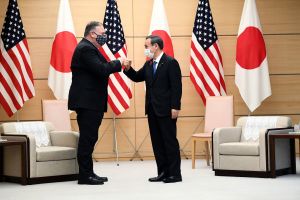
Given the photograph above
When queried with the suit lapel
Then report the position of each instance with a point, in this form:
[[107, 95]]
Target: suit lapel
[[93, 46], [159, 66], [150, 63]]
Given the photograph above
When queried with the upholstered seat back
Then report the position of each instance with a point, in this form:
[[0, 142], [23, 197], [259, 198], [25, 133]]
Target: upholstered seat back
[[30, 128], [9, 127], [260, 123]]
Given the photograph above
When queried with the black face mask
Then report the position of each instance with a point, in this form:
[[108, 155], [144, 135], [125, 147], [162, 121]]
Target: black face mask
[[101, 39]]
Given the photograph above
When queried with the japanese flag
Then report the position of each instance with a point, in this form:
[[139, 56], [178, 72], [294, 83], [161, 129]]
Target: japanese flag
[[251, 71]]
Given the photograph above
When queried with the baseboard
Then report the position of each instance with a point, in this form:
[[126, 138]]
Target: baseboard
[[38, 180], [239, 173], [258, 174]]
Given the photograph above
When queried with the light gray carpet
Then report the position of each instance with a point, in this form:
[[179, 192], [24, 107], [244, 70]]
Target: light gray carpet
[[129, 182]]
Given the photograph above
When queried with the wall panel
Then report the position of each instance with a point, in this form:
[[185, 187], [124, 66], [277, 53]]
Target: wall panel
[[280, 23]]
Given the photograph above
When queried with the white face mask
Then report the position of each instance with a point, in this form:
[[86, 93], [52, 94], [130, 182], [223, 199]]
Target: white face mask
[[148, 53]]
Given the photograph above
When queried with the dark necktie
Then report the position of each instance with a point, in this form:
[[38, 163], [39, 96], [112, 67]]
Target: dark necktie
[[154, 67]]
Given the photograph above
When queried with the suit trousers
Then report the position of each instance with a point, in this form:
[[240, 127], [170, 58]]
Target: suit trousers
[[88, 122], [164, 143]]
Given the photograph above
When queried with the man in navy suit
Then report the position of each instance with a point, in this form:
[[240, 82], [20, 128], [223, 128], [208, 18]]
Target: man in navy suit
[[163, 101], [88, 96]]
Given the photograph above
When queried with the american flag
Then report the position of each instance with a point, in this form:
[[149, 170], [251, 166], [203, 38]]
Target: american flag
[[119, 92], [206, 70], [16, 79]]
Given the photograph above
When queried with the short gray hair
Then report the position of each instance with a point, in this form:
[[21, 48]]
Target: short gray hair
[[90, 26]]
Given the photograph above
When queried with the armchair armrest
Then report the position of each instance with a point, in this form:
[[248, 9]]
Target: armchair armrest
[[31, 152], [223, 135], [64, 138], [226, 134], [263, 141]]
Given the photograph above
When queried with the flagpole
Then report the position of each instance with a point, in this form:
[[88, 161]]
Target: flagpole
[[115, 149], [17, 115], [249, 112]]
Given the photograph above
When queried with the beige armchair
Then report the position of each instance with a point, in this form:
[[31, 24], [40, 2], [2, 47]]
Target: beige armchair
[[244, 150], [49, 159]]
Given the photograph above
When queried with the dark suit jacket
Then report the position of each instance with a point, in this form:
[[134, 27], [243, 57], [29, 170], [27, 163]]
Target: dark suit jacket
[[164, 89], [90, 72]]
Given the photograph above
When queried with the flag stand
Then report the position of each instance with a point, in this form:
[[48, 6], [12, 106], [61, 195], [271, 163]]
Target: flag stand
[[17, 114], [188, 141], [115, 141], [136, 154]]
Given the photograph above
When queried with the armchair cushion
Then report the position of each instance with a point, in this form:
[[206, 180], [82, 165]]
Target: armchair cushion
[[53, 153], [239, 148]]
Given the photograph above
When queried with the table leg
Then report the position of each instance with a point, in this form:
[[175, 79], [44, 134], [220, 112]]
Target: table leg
[[272, 157], [293, 156], [23, 164], [1, 164]]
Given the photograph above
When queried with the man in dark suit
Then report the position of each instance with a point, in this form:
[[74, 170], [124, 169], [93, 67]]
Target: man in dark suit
[[88, 96], [163, 100]]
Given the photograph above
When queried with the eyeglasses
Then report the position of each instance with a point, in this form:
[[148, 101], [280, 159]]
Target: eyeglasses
[[99, 34]]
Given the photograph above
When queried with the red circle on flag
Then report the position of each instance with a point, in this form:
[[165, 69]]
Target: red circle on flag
[[168, 47], [62, 51], [251, 49]]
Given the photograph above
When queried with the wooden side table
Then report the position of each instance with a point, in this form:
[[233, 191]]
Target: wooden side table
[[272, 138], [11, 142]]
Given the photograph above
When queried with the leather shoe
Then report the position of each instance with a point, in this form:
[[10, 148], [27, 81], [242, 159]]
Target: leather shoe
[[101, 178], [90, 181], [158, 178], [172, 179]]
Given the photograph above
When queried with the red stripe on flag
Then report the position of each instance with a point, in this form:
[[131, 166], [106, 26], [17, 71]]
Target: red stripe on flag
[[12, 72], [124, 49], [5, 106], [216, 65], [27, 68], [113, 106], [10, 92], [123, 84], [104, 54], [201, 77], [28, 65], [220, 57], [117, 55], [205, 66], [18, 66], [198, 89], [117, 94], [218, 52], [12, 76]]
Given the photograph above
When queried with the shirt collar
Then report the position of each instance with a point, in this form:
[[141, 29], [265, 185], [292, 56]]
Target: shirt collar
[[159, 57]]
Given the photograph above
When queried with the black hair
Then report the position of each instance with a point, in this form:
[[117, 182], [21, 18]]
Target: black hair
[[156, 40]]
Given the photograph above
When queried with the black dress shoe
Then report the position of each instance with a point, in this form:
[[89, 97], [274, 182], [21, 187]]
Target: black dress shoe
[[101, 178], [172, 179], [158, 178], [90, 181]]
